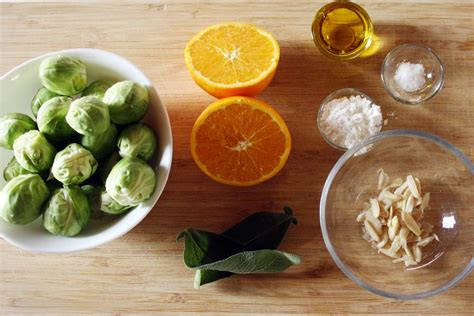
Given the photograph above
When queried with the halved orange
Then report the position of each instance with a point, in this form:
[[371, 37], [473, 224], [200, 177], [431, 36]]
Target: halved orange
[[240, 141], [232, 59]]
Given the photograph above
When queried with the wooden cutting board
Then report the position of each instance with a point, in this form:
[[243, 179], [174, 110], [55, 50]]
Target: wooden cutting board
[[143, 272]]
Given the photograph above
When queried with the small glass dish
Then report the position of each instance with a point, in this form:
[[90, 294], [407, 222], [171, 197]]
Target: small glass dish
[[341, 93], [342, 30], [444, 171], [415, 54]]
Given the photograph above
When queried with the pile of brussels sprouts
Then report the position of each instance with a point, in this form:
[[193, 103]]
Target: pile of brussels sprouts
[[85, 155]]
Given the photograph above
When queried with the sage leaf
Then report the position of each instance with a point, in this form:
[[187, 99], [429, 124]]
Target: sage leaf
[[256, 261], [201, 247], [262, 230], [202, 277]]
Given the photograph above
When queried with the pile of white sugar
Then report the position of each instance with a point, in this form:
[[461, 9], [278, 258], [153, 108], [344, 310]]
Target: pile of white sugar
[[350, 120], [410, 77]]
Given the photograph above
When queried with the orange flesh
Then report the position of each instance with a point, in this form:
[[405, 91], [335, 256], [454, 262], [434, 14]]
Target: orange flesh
[[240, 143]]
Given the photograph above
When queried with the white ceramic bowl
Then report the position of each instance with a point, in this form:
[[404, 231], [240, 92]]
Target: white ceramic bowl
[[18, 87]]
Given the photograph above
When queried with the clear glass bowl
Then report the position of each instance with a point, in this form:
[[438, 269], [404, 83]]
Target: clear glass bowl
[[434, 73], [444, 171], [341, 93]]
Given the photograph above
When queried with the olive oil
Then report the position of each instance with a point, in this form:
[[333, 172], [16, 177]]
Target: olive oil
[[342, 30]]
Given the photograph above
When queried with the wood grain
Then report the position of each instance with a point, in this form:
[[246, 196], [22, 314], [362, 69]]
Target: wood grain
[[142, 272]]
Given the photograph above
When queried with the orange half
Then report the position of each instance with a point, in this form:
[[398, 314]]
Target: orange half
[[231, 59], [240, 141]]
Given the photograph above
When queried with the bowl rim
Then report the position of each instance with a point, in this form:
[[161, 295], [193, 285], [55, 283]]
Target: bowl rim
[[418, 46], [322, 210], [331, 96], [108, 238]]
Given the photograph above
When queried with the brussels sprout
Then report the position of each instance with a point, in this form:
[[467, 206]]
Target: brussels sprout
[[52, 118], [131, 181], [101, 145], [40, 98], [33, 151], [73, 165], [127, 102], [12, 125], [88, 116], [97, 88], [14, 169], [137, 141], [110, 206], [93, 196], [106, 165], [63, 75], [67, 211], [22, 199]]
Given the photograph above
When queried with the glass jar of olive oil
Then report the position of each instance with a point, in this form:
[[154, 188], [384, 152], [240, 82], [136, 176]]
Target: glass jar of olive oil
[[342, 30]]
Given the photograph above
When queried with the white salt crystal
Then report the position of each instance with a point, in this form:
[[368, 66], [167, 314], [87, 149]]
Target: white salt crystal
[[410, 77], [350, 120]]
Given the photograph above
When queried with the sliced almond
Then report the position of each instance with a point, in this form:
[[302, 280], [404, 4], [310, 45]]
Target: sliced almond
[[384, 240], [409, 205], [400, 189], [388, 253], [410, 262], [375, 207], [393, 228], [425, 201], [436, 237], [387, 204], [424, 242], [406, 248], [404, 233], [396, 245], [360, 218], [406, 194], [390, 216], [395, 183], [417, 253], [411, 223], [374, 222], [387, 195], [383, 179], [401, 259], [418, 185], [371, 231], [413, 187]]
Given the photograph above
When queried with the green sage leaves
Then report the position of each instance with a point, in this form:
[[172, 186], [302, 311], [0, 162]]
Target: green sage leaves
[[247, 247]]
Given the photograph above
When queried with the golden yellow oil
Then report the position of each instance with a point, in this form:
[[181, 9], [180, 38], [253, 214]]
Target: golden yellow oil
[[342, 29]]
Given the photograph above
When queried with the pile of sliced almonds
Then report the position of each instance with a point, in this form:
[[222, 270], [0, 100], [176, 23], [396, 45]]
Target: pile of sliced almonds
[[392, 220]]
